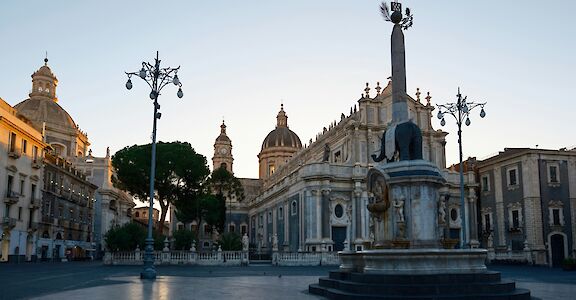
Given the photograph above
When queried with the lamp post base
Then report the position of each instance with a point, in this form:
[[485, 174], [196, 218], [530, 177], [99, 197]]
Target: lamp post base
[[148, 273]]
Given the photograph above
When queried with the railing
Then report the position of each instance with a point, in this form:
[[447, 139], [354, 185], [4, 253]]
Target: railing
[[306, 259], [11, 197], [220, 258], [8, 223]]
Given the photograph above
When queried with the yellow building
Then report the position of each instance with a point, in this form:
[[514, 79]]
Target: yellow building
[[21, 152]]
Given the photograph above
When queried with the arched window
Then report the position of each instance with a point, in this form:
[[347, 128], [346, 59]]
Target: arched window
[[223, 165], [294, 209], [137, 215]]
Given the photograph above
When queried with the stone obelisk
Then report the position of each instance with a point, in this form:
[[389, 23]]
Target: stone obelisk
[[399, 104]]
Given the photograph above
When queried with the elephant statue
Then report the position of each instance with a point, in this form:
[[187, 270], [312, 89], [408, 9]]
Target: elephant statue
[[407, 140]]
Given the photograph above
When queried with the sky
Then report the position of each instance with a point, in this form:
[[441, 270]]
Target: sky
[[241, 59]]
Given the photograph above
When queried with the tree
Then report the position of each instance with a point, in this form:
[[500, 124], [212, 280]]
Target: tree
[[226, 187], [230, 241], [183, 239], [179, 170], [208, 203], [125, 237]]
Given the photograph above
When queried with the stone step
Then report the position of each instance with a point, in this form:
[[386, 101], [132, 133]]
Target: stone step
[[419, 289], [489, 276], [335, 294]]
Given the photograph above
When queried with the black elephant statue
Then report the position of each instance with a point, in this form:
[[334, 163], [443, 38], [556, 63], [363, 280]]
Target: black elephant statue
[[407, 141]]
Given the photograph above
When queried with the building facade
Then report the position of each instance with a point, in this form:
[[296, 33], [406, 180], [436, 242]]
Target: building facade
[[528, 199], [21, 152], [66, 228], [315, 197], [111, 206]]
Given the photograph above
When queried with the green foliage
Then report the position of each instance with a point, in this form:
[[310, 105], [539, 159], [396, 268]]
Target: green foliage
[[180, 173], [208, 202], [223, 182], [183, 239], [230, 241], [125, 238]]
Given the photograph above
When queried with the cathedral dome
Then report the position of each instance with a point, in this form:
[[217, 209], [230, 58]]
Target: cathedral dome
[[39, 110], [281, 136], [42, 105]]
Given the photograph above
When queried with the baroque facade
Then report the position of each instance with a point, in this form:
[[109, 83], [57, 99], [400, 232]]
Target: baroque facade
[[21, 152], [111, 206], [316, 199], [528, 205]]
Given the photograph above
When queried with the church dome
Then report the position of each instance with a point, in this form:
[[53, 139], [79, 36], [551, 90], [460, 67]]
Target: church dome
[[42, 105], [223, 137], [39, 110], [281, 136]]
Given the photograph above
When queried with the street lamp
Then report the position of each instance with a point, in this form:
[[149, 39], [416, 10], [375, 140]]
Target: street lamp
[[460, 111], [157, 78]]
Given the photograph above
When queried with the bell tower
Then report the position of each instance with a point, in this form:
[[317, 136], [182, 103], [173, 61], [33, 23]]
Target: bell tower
[[222, 151], [44, 83]]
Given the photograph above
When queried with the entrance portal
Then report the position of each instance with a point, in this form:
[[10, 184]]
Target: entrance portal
[[557, 249], [338, 237]]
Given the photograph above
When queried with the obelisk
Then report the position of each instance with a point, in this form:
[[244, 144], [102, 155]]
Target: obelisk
[[399, 104]]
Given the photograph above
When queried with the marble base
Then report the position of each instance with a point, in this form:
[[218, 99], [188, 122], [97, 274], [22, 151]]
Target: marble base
[[415, 261]]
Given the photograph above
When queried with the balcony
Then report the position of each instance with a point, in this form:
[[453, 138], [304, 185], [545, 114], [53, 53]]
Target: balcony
[[36, 164], [33, 227], [11, 198], [35, 203], [8, 223], [14, 153]]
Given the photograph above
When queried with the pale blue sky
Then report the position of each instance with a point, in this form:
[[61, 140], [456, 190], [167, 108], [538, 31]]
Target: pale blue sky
[[239, 59]]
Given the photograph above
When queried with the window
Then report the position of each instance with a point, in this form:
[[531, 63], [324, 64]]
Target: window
[[485, 183], [33, 192], [137, 215], [10, 185], [555, 213], [22, 187], [206, 229], [271, 169], [454, 214], [12, 142], [35, 153], [280, 213], [270, 217], [294, 208], [223, 165], [180, 226], [231, 228], [553, 171], [487, 222], [20, 213], [512, 176], [515, 219], [243, 229], [338, 157], [556, 217], [338, 211], [24, 146]]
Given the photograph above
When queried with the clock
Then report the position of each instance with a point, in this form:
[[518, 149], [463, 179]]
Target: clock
[[223, 151]]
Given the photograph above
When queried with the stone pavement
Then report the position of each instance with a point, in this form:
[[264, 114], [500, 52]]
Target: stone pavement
[[95, 281]]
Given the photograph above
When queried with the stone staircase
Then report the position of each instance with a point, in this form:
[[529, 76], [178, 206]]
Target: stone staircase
[[348, 285]]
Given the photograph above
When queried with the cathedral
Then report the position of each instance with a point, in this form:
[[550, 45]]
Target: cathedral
[[314, 197], [72, 200]]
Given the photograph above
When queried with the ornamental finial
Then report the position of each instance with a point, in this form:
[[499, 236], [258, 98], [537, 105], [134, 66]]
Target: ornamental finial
[[378, 88], [396, 17], [418, 94], [367, 90], [428, 97]]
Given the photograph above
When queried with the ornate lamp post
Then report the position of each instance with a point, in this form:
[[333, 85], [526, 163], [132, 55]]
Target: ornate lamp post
[[157, 78], [460, 111]]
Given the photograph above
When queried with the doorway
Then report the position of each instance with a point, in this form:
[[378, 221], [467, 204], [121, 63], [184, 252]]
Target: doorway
[[557, 249], [338, 237]]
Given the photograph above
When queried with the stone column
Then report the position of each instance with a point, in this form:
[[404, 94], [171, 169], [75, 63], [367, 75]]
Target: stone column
[[472, 218], [325, 212]]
